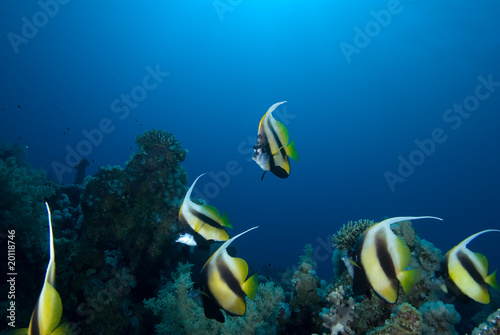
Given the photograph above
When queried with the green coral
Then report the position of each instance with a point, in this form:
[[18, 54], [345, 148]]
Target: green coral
[[180, 314], [347, 236]]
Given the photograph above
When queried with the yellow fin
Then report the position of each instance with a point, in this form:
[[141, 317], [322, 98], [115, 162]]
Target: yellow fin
[[283, 132], [250, 286], [50, 308], [483, 261], [292, 152], [404, 253], [224, 221], [492, 280], [444, 288], [409, 278], [211, 210], [241, 268], [64, 329], [353, 263]]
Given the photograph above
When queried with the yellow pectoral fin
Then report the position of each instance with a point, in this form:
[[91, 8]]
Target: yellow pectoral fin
[[49, 309], [353, 263], [409, 278], [250, 286], [277, 150], [492, 280], [292, 152]]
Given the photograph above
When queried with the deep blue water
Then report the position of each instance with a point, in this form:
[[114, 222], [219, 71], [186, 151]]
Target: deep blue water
[[352, 113]]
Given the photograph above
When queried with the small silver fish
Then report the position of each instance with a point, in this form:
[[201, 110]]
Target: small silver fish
[[187, 239]]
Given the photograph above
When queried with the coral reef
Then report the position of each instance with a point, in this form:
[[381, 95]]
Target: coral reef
[[15, 150], [339, 317], [305, 282], [490, 327], [128, 226], [439, 318], [405, 321], [23, 192]]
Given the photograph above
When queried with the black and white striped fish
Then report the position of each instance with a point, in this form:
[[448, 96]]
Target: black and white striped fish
[[466, 272], [204, 221], [381, 258], [272, 149], [226, 284]]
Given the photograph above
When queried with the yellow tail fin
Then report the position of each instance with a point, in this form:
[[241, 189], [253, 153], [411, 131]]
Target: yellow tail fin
[[292, 152], [250, 286], [492, 280], [409, 278]]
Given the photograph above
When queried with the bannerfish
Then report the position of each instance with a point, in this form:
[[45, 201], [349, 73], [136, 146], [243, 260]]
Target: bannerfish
[[224, 283], [466, 272], [204, 220], [380, 258], [48, 310], [272, 149]]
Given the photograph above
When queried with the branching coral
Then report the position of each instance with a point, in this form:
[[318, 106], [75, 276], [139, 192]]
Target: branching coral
[[347, 236], [339, 318]]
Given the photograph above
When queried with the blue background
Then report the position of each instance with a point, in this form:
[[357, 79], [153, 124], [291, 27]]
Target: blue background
[[351, 117]]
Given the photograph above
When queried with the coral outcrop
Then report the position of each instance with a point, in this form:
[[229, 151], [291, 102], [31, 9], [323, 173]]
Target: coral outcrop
[[490, 327], [339, 318], [129, 226], [439, 318]]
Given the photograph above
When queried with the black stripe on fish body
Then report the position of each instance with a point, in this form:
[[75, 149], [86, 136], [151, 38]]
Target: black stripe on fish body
[[207, 220], [277, 139], [360, 282], [202, 217], [229, 279], [384, 257], [468, 265], [452, 287], [35, 327], [277, 169], [385, 260]]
